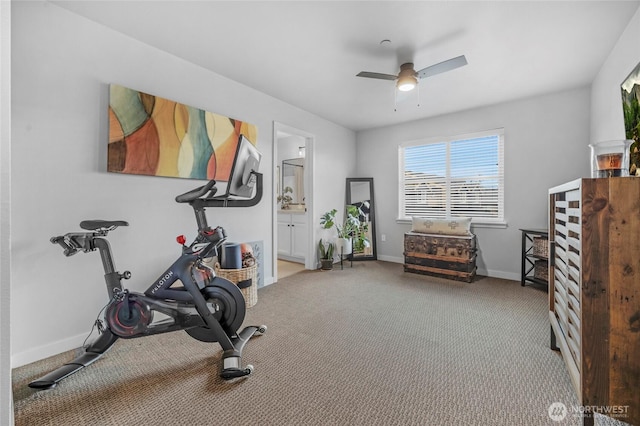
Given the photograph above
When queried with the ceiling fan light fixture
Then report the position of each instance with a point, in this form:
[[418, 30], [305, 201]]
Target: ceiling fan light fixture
[[407, 80], [406, 83]]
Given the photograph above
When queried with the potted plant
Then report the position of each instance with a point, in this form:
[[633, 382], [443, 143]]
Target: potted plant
[[328, 221], [360, 240], [326, 255], [346, 231], [285, 199]]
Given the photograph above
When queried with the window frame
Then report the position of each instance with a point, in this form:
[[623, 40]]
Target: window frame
[[500, 221]]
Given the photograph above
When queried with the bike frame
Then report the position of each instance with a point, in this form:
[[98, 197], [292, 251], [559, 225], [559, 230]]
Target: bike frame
[[187, 306]]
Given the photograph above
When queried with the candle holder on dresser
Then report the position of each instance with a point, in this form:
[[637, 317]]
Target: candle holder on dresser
[[610, 158]]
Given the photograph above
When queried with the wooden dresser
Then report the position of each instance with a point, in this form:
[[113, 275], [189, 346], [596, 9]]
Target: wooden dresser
[[594, 291]]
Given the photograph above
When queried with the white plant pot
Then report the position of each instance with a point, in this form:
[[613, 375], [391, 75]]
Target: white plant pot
[[345, 246]]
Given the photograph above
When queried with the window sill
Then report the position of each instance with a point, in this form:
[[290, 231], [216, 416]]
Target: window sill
[[474, 223]]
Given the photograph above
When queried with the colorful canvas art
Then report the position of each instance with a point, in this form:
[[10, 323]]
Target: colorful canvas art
[[150, 135]]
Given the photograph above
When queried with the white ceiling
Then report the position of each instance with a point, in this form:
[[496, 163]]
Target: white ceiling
[[307, 53]]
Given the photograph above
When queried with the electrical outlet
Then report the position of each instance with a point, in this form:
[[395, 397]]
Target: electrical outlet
[[383, 237]]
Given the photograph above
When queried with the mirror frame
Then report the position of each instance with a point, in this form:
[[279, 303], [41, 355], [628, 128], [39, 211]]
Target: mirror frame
[[372, 217]]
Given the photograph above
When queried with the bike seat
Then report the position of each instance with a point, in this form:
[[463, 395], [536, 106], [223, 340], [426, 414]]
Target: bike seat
[[94, 225]]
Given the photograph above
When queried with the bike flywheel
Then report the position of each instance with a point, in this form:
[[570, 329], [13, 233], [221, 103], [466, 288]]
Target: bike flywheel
[[228, 306], [128, 317]]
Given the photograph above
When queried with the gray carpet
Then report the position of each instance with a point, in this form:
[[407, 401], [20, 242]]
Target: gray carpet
[[368, 345]]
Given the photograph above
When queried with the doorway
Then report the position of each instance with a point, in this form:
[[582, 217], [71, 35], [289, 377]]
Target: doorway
[[287, 268], [293, 219]]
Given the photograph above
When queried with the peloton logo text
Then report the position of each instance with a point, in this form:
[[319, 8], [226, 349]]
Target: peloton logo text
[[162, 281]]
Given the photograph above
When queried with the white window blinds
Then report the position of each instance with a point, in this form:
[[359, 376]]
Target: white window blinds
[[454, 177]]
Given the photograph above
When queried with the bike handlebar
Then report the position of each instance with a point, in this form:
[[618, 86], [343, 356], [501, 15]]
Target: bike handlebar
[[69, 245], [198, 192]]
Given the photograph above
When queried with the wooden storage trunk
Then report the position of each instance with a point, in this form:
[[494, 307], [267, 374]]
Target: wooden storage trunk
[[447, 256]]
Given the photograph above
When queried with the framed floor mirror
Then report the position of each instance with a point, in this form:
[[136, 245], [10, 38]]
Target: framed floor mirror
[[359, 193]]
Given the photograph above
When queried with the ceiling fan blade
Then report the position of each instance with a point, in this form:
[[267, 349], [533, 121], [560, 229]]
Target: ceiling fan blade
[[443, 66], [376, 75]]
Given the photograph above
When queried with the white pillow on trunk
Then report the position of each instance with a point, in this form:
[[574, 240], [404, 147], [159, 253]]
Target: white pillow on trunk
[[454, 226]]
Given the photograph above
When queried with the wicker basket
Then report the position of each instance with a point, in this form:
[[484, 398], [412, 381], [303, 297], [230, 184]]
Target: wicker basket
[[240, 277], [541, 270], [541, 247]]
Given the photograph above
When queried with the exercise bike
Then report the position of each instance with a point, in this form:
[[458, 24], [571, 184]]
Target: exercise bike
[[207, 307]]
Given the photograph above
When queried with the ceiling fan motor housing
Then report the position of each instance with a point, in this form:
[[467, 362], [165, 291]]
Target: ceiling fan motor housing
[[407, 69]]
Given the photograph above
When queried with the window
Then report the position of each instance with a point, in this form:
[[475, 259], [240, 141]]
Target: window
[[460, 176]]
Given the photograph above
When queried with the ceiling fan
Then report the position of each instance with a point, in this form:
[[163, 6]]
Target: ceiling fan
[[408, 77]]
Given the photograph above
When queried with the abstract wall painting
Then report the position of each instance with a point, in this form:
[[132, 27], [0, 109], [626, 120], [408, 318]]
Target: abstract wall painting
[[631, 106], [150, 135]]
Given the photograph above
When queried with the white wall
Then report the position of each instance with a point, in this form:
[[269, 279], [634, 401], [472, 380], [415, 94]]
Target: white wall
[[61, 66], [289, 147], [546, 141], [607, 121], [6, 399]]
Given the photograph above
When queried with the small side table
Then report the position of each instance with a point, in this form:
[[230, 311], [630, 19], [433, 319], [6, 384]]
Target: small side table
[[529, 256]]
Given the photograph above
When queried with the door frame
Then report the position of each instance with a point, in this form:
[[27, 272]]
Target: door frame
[[310, 258]]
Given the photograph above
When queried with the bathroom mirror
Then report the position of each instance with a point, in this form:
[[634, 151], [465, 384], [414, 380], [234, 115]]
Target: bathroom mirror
[[293, 177], [359, 193]]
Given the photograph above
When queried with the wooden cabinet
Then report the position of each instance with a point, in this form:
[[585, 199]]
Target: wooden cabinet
[[292, 236], [594, 290]]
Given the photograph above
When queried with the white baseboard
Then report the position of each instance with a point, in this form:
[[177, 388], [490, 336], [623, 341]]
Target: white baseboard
[[514, 276], [391, 259], [45, 351]]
